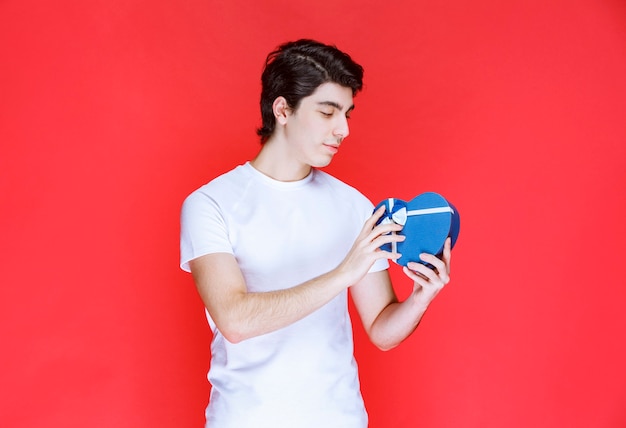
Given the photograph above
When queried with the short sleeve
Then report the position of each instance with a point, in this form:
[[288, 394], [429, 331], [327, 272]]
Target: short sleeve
[[203, 229]]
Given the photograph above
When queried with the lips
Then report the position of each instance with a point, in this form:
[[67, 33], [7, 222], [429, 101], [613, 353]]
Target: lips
[[333, 148]]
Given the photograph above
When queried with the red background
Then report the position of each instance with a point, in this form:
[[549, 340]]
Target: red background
[[111, 112]]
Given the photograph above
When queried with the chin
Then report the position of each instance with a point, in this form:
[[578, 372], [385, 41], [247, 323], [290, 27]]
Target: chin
[[321, 163]]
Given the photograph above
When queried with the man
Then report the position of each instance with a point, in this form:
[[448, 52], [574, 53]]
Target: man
[[274, 245]]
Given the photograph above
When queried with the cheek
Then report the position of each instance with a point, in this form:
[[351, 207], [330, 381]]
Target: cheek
[[319, 128], [309, 130]]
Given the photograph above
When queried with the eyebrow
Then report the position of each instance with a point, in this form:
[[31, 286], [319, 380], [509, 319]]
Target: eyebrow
[[336, 105]]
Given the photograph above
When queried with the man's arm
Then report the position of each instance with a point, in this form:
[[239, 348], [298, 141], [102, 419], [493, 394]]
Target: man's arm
[[240, 315], [386, 320]]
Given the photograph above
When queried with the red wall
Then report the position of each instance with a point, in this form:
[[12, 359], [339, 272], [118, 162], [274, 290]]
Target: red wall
[[112, 112]]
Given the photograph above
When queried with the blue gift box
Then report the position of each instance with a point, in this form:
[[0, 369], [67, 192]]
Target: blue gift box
[[428, 220]]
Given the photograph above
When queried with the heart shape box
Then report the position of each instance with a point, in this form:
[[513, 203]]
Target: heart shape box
[[428, 220]]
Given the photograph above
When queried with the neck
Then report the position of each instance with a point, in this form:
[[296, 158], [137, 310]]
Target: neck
[[274, 161]]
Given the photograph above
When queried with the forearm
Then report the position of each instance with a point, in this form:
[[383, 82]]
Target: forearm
[[396, 322], [248, 314]]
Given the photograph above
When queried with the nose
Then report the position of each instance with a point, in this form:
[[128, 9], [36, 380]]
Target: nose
[[342, 130]]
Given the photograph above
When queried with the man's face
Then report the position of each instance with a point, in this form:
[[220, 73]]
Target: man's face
[[317, 127]]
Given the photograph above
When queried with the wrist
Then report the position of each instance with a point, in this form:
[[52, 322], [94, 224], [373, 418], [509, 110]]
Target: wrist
[[419, 299], [336, 280]]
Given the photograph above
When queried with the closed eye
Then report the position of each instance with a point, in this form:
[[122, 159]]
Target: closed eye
[[335, 107]]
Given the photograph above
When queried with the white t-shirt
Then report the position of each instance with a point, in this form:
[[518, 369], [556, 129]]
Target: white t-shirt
[[282, 234]]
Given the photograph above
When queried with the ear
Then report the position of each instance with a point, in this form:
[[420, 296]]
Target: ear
[[281, 110]]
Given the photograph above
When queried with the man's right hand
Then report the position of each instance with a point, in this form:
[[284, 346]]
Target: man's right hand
[[366, 249]]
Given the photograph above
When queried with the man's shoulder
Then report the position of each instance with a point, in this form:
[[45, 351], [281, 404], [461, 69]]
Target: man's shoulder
[[224, 182], [220, 188], [337, 184]]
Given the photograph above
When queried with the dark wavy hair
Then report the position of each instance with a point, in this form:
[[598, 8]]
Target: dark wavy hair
[[296, 69]]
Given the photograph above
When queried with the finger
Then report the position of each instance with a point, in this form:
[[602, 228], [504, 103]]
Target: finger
[[447, 253], [369, 224], [381, 240], [414, 274], [382, 254], [383, 230], [417, 277], [377, 214], [424, 271], [440, 265], [433, 276]]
